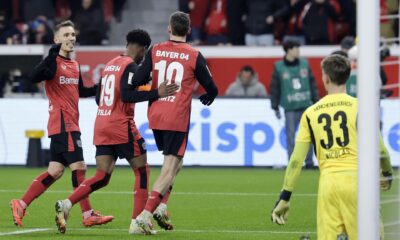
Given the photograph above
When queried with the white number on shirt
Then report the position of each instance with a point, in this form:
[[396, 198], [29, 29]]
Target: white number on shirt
[[169, 70], [107, 93]]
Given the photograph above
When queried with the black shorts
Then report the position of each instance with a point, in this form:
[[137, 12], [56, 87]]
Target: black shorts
[[171, 142], [66, 148], [134, 148]]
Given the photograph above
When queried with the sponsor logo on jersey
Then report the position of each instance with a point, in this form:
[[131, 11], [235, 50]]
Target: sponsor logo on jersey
[[65, 80]]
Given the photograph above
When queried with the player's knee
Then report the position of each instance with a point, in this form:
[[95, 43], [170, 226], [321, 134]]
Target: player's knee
[[56, 173], [102, 180]]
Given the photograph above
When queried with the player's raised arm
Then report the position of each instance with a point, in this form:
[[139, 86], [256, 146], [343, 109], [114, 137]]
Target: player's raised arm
[[303, 141], [86, 91], [47, 68], [204, 77], [142, 75]]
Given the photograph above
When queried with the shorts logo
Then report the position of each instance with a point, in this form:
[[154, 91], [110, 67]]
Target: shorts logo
[[144, 146], [79, 143]]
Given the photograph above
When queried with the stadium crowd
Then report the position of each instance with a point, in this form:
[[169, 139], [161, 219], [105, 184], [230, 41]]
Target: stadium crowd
[[233, 22]]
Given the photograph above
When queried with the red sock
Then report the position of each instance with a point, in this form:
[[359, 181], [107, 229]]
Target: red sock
[[166, 196], [78, 176], [153, 201], [141, 189], [38, 186], [99, 180]]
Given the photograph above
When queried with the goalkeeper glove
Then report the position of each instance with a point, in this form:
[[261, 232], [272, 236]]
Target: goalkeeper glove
[[386, 182], [281, 210], [206, 99]]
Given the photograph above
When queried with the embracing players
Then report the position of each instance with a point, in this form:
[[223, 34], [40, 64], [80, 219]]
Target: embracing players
[[174, 61], [64, 85], [331, 126], [115, 132]]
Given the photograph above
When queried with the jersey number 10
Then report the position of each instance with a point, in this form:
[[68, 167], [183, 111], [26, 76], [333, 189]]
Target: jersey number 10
[[107, 90], [165, 72]]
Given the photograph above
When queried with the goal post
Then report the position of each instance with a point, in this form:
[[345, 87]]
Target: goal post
[[368, 119]]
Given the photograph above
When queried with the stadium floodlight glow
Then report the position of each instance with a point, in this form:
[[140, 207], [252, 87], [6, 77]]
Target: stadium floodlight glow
[[368, 119]]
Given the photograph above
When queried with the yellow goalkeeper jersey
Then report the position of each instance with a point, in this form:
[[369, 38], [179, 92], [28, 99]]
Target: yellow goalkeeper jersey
[[330, 125]]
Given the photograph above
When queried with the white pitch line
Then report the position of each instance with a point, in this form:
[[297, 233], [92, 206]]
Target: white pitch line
[[19, 232], [391, 224], [388, 201], [276, 194]]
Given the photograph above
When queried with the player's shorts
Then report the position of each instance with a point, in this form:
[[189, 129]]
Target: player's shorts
[[171, 142], [134, 148], [66, 148], [337, 205]]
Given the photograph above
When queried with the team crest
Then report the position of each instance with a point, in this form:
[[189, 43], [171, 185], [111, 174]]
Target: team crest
[[304, 72], [285, 75], [63, 66]]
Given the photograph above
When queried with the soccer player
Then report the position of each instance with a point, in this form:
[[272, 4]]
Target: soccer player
[[115, 132], [64, 85], [177, 62], [331, 126]]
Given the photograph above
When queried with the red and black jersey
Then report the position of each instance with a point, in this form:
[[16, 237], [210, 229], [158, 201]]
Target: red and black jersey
[[179, 63], [116, 97], [64, 86]]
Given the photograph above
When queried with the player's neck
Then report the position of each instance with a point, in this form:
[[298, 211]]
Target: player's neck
[[64, 54], [336, 89], [177, 38]]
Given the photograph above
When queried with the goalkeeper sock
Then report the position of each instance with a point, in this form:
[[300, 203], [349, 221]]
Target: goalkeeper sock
[[38, 186], [140, 191]]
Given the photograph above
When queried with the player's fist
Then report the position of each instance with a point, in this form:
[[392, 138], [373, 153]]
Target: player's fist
[[386, 181], [165, 90], [206, 100], [54, 50], [280, 212]]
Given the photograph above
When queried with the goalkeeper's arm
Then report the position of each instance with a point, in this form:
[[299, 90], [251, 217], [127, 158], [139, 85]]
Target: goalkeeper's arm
[[386, 166], [280, 211]]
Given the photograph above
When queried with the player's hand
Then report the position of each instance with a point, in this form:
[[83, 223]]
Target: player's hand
[[206, 100], [280, 213], [386, 181], [278, 114], [165, 90], [54, 50]]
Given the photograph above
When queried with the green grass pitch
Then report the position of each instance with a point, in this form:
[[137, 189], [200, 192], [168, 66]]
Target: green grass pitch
[[206, 203]]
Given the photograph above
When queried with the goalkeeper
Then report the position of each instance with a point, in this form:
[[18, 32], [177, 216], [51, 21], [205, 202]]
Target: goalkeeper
[[330, 125]]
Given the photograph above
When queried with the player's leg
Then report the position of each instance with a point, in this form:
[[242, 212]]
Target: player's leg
[[330, 223], [161, 214], [39, 185], [347, 185], [105, 162]]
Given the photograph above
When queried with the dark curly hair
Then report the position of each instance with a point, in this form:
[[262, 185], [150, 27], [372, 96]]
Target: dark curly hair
[[138, 36]]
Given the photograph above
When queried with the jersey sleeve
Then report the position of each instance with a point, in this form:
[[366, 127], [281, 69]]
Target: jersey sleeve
[[304, 134], [129, 92], [45, 70], [295, 164], [86, 91], [204, 77], [142, 75]]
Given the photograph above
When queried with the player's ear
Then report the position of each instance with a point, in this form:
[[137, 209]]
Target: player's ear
[[169, 29], [189, 31], [55, 39]]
